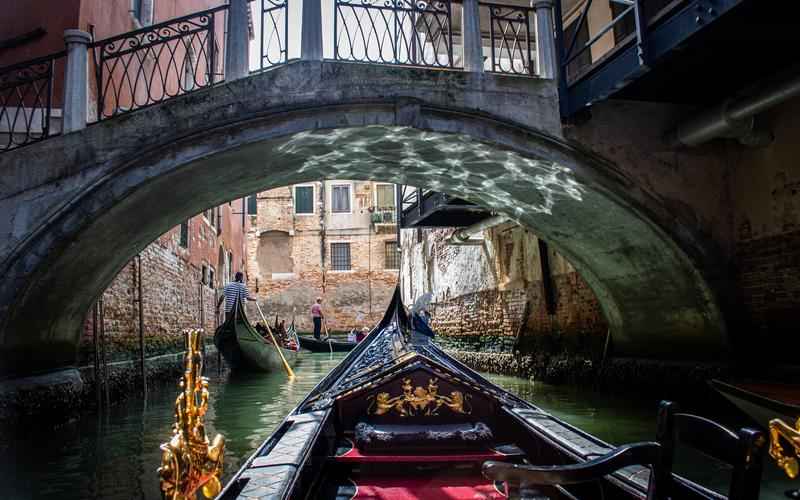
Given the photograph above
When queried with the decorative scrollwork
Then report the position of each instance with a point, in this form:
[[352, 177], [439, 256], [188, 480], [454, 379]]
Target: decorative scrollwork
[[26, 101], [412, 32], [511, 40], [779, 429], [188, 462], [418, 401], [158, 62], [274, 32]]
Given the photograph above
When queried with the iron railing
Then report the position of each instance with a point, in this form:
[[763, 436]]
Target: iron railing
[[409, 32], [274, 32], [26, 101], [153, 64], [511, 38], [572, 51]]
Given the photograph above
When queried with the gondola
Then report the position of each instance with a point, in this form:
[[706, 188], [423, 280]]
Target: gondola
[[762, 402], [329, 345], [244, 349], [399, 418]]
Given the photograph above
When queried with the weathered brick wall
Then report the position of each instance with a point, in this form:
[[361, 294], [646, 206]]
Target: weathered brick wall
[[490, 297], [173, 296]]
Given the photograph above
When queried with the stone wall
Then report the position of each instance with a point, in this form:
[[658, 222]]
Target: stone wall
[[490, 297]]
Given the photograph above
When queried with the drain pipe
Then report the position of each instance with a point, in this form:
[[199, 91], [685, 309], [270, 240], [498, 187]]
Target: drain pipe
[[733, 119], [462, 236]]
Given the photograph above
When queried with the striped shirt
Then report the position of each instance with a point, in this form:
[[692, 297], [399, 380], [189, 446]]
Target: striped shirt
[[232, 291]]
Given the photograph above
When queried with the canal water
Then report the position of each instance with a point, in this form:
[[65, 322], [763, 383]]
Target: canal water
[[114, 454]]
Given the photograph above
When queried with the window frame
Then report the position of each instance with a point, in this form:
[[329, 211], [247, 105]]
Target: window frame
[[394, 195], [349, 186], [181, 242], [394, 245], [313, 197], [349, 256]]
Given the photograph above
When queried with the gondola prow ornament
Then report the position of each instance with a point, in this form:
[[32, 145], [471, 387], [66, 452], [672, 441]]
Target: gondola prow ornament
[[188, 462], [779, 429]]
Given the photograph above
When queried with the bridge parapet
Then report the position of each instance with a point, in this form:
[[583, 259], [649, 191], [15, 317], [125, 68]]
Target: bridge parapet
[[107, 78]]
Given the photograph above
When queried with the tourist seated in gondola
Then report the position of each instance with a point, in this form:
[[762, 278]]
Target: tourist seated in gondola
[[362, 334], [233, 291]]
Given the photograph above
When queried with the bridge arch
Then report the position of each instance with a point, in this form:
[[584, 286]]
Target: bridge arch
[[124, 182]]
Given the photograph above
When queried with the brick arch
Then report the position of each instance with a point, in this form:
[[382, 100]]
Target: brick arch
[[617, 236]]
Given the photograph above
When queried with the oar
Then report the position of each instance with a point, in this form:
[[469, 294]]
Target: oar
[[277, 346], [328, 333]]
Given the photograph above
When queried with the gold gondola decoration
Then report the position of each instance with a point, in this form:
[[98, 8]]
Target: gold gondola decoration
[[779, 429], [418, 401], [188, 462]]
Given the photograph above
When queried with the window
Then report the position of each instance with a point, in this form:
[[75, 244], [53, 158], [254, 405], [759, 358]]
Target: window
[[230, 266], [304, 199], [183, 240], [340, 256], [391, 255], [210, 277], [252, 205], [625, 26], [204, 274], [384, 197], [340, 199]]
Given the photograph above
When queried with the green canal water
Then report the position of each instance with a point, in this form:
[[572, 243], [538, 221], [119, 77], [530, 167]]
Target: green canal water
[[114, 454]]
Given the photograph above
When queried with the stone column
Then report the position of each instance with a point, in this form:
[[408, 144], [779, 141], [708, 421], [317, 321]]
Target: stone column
[[76, 80], [545, 39], [237, 49], [311, 31], [471, 36]]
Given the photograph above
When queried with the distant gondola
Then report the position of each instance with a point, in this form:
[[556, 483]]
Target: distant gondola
[[329, 345], [244, 349], [762, 401], [400, 418]]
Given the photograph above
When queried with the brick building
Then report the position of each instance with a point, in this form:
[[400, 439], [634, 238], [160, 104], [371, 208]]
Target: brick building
[[331, 239], [182, 274]]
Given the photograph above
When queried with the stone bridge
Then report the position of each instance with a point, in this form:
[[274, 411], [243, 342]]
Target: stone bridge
[[78, 206]]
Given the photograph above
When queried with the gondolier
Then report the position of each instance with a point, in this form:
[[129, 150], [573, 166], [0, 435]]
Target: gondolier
[[232, 291], [317, 317]]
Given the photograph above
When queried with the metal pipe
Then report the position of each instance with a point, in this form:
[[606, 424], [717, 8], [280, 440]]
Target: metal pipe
[[462, 236], [733, 119], [96, 343]]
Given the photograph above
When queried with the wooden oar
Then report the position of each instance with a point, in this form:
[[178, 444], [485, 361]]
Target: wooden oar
[[277, 346], [328, 334]]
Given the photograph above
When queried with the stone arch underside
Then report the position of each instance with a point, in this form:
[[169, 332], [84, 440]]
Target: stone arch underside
[[655, 300]]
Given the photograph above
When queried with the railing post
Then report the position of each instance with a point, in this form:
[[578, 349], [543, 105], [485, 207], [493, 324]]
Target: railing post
[[545, 39], [237, 53], [311, 31], [76, 81], [471, 35]]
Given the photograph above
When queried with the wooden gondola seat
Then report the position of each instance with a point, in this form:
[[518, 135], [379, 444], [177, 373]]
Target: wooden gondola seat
[[376, 438], [743, 450], [547, 481]]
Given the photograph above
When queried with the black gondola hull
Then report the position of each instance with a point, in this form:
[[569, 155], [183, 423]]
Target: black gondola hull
[[315, 345]]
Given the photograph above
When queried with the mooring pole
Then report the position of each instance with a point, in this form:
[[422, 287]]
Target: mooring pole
[[103, 347], [216, 325], [96, 355], [142, 372]]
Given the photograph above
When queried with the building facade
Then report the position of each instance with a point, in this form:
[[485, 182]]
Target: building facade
[[331, 239]]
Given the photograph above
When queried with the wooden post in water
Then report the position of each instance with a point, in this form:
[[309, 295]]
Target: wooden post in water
[[103, 347], [96, 344], [142, 372]]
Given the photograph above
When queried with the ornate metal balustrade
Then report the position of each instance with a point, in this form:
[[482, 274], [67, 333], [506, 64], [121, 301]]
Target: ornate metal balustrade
[[410, 32], [153, 64], [26, 101], [274, 32], [511, 38]]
